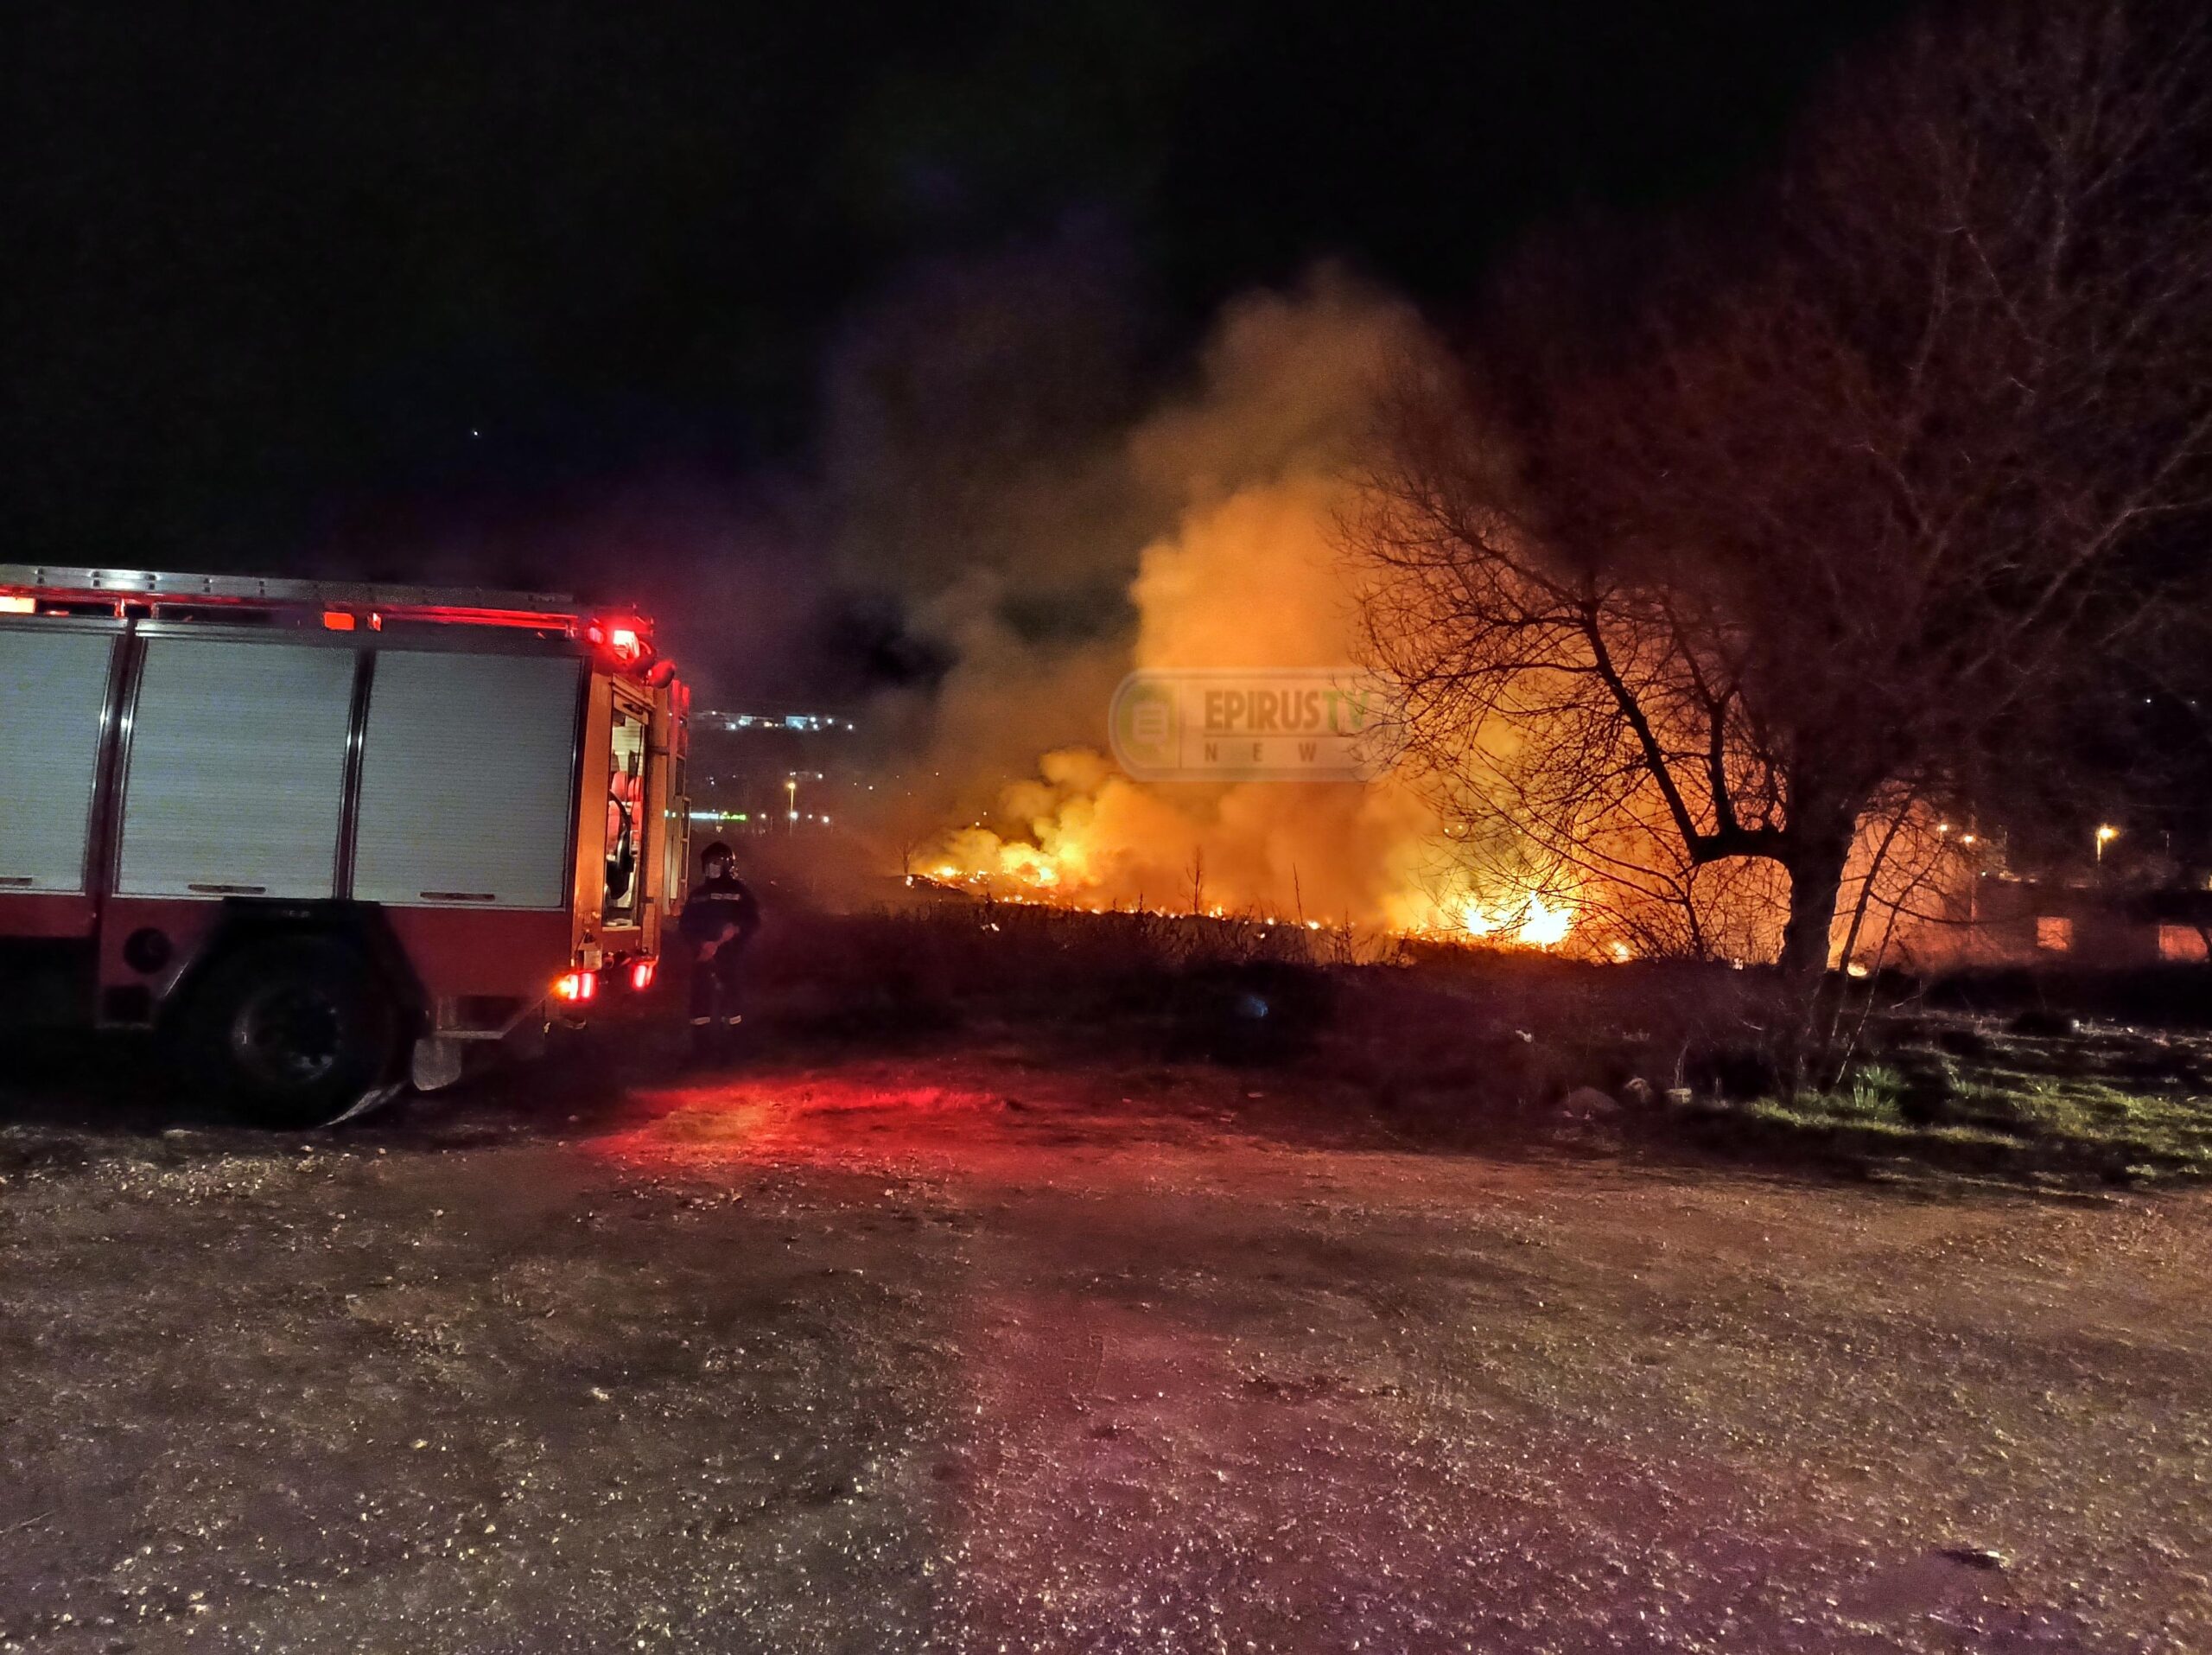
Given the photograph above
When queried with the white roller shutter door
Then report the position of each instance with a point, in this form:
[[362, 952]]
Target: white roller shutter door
[[236, 769], [52, 685], [467, 774]]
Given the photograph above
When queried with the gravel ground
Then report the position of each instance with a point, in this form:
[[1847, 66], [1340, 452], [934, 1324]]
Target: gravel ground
[[971, 1352]]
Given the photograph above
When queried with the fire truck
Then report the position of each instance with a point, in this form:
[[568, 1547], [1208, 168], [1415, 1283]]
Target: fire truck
[[321, 838]]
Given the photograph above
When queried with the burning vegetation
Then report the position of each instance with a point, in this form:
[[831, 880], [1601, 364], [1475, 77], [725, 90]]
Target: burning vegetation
[[1258, 464]]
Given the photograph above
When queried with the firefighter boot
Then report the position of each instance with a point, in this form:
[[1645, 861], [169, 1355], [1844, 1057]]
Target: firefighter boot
[[705, 1039], [726, 1038]]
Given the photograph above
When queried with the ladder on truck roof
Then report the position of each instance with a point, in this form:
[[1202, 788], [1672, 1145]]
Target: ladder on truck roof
[[29, 585]]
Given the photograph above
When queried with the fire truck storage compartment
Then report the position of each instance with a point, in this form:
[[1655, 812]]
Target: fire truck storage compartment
[[467, 772], [626, 800], [236, 769], [53, 683]]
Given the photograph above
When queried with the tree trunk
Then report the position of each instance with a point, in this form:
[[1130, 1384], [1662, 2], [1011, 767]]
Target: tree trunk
[[1815, 868]]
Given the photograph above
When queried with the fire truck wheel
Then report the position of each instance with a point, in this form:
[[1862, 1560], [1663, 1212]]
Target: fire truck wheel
[[292, 1031]]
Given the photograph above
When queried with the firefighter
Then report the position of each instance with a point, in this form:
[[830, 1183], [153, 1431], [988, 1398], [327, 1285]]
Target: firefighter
[[718, 920]]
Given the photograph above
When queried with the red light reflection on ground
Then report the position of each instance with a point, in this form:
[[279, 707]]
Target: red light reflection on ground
[[963, 1117], [795, 1115]]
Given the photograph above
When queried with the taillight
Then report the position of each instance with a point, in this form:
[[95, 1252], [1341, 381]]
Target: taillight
[[575, 986], [641, 974]]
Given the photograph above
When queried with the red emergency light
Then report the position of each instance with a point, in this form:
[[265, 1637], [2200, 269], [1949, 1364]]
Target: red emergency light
[[628, 640], [575, 986], [641, 974]]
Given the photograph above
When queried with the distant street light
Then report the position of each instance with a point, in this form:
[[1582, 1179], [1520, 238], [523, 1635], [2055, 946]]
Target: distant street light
[[2105, 837]]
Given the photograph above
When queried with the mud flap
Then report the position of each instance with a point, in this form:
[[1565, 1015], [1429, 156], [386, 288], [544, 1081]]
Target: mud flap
[[436, 1063]]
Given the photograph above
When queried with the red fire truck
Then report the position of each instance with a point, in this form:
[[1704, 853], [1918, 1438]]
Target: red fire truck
[[319, 837]]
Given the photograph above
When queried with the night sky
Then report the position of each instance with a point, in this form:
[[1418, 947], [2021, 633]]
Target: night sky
[[309, 287]]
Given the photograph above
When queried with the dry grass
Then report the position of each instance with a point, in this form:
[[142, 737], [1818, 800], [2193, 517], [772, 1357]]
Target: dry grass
[[1474, 1047]]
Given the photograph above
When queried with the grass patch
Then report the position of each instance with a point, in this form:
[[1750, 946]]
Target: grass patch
[[2022, 1116]]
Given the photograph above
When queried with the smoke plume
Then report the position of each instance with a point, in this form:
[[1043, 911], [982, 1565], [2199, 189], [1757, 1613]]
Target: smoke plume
[[1197, 534]]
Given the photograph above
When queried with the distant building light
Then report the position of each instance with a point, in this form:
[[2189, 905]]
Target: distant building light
[[802, 723]]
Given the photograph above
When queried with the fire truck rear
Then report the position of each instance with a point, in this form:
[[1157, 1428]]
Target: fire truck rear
[[321, 837]]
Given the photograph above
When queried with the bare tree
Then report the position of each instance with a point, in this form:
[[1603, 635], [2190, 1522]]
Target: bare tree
[[1848, 498]]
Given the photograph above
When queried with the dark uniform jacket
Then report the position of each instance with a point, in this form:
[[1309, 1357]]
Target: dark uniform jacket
[[716, 903]]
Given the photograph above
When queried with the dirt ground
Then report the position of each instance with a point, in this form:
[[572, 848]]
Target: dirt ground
[[975, 1350]]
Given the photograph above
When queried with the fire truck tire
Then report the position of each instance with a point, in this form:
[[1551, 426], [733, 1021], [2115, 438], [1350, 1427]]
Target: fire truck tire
[[291, 1032]]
